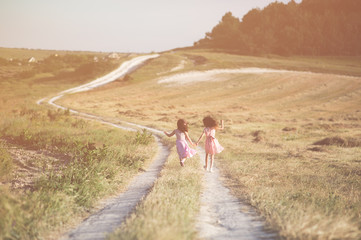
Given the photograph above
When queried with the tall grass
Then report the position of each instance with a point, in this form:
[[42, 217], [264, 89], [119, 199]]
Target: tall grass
[[303, 194], [101, 160]]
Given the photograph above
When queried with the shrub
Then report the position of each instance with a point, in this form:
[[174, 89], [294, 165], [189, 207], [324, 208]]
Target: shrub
[[27, 74], [56, 115], [143, 137], [259, 135]]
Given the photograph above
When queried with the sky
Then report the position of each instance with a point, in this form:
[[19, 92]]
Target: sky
[[140, 26]]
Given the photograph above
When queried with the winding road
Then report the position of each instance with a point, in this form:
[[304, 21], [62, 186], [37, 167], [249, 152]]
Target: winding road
[[222, 216]]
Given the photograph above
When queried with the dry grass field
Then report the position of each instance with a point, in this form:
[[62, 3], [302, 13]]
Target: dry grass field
[[292, 139]]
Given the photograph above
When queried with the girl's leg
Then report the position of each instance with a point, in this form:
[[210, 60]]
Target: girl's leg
[[182, 162], [206, 162], [211, 165]]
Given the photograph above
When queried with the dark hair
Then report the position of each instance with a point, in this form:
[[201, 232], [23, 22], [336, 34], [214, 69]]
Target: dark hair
[[210, 122], [182, 125]]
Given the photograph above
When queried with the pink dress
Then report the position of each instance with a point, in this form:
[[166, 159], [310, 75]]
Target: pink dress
[[212, 145], [184, 151]]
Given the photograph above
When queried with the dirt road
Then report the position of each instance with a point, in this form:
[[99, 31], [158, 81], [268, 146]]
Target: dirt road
[[222, 216]]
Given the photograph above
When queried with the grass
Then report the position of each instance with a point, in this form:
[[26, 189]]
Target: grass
[[92, 161], [5, 162], [305, 191], [171, 208], [303, 194]]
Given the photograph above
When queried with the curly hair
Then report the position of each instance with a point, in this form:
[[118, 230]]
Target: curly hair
[[182, 125], [210, 122]]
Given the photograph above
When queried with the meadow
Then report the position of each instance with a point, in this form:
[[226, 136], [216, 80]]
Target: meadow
[[292, 139], [55, 167]]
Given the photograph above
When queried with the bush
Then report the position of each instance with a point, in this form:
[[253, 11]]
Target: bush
[[56, 115], [143, 137], [27, 74]]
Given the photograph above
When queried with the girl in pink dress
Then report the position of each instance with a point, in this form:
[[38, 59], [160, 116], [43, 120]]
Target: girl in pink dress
[[183, 150], [212, 145]]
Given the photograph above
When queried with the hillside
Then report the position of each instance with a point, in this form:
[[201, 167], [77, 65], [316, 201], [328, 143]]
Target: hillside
[[291, 138]]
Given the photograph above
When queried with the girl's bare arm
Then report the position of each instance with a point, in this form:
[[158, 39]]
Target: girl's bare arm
[[169, 134], [200, 138], [188, 138]]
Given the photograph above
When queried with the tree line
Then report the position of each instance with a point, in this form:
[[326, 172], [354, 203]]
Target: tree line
[[312, 27]]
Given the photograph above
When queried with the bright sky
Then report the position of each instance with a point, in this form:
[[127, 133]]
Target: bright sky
[[114, 25]]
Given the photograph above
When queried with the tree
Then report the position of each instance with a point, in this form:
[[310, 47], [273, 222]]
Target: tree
[[313, 27]]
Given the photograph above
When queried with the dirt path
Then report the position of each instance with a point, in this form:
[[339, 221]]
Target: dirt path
[[222, 216]]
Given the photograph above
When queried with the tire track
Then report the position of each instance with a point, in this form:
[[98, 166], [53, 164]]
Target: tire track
[[223, 216]]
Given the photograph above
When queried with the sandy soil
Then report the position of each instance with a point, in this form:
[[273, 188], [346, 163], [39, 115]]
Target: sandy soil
[[30, 165], [192, 77], [211, 75]]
